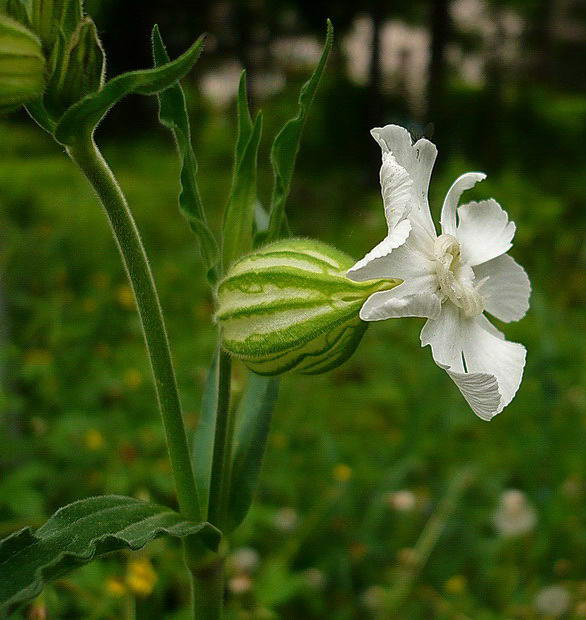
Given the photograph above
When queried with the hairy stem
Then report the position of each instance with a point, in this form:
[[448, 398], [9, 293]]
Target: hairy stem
[[91, 162]]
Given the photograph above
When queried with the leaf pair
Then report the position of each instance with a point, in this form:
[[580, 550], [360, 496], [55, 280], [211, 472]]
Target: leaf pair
[[253, 420], [244, 208], [80, 532], [83, 117], [243, 213]]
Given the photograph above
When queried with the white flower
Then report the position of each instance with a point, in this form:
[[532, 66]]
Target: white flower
[[553, 601], [514, 516], [450, 279]]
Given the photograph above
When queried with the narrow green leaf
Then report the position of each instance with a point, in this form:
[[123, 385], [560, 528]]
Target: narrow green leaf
[[38, 112], [85, 115], [244, 121], [253, 425], [80, 532], [239, 215], [286, 145], [173, 115], [203, 439]]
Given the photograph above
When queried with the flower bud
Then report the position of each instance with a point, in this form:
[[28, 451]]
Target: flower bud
[[15, 9], [80, 69], [22, 65], [290, 306], [50, 18]]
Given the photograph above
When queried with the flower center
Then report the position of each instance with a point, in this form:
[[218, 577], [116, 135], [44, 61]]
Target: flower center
[[456, 280]]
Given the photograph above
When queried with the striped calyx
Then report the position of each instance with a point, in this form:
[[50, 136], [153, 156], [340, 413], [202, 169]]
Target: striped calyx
[[290, 306], [22, 65]]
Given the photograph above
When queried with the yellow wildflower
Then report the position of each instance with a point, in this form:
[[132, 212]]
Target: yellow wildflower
[[140, 576], [94, 440], [455, 584], [125, 297], [133, 378], [342, 472], [114, 587]]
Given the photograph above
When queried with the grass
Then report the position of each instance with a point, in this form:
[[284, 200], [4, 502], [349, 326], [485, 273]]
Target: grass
[[80, 417]]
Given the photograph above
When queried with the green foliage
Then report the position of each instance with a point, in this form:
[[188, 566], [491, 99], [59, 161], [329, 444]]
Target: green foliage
[[204, 435], [84, 116], [80, 532], [173, 114], [286, 145], [22, 65], [79, 68], [52, 18], [240, 210], [253, 424]]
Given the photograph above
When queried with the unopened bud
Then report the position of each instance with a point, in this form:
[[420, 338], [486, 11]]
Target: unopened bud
[[290, 306], [52, 17], [15, 9], [81, 69], [22, 65]]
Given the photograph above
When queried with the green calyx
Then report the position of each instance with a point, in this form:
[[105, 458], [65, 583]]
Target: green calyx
[[79, 67], [22, 64], [290, 306], [51, 19]]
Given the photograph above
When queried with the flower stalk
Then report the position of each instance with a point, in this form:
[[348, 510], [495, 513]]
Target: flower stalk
[[91, 162]]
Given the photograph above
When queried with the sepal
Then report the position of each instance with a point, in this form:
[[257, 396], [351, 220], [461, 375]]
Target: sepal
[[22, 65], [290, 306]]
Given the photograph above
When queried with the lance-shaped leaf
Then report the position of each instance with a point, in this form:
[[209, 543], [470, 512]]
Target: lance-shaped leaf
[[173, 115], [253, 425], [203, 439], [80, 532], [239, 215], [244, 122], [84, 116], [286, 145]]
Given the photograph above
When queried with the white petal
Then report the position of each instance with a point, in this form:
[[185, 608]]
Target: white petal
[[480, 391], [397, 190], [417, 159], [373, 265], [489, 327], [402, 301], [444, 335], [486, 368], [486, 353], [459, 186], [409, 261], [484, 231], [506, 289]]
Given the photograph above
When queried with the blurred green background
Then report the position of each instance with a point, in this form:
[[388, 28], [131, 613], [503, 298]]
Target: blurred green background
[[382, 494]]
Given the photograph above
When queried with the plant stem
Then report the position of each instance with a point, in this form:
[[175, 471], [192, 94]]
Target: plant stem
[[91, 162], [207, 580], [221, 463]]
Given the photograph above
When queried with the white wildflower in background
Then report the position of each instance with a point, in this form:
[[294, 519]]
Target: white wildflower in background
[[286, 519], [515, 515], [402, 501], [240, 584], [450, 279], [314, 578], [553, 601], [373, 598], [244, 560]]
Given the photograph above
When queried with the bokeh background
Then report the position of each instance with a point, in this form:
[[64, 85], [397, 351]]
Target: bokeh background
[[382, 494]]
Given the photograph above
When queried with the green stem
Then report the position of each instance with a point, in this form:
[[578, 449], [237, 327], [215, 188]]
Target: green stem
[[221, 463], [87, 156], [207, 580]]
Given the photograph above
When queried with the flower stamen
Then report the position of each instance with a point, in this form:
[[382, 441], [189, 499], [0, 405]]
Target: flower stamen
[[456, 280]]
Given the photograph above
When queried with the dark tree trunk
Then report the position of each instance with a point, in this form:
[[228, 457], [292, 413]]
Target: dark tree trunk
[[243, 22], [436, 89], [375, 107]]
